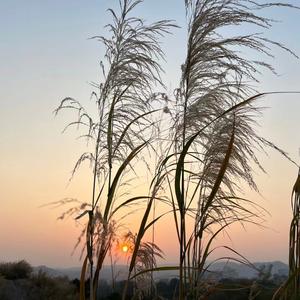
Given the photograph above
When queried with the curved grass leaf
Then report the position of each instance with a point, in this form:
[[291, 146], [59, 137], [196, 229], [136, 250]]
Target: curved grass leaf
[[116, 179], [82, 279]]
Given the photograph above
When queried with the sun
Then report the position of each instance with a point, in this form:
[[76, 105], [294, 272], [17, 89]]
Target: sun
[[125, 248]]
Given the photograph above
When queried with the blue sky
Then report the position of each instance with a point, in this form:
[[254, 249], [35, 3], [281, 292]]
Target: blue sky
[[45, 55]]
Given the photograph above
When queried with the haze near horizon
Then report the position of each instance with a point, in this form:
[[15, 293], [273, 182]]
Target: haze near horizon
[[46, 55]]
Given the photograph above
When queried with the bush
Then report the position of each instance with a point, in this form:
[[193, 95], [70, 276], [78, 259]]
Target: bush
[[15, 270], [52, 288]]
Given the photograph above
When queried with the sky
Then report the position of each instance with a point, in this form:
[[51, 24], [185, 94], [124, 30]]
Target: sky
[[46, 54]]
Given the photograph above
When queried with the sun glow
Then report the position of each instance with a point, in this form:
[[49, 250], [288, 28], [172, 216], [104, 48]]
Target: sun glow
[[125, 248]]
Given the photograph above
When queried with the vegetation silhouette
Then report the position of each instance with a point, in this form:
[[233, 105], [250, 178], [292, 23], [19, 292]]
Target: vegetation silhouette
[[19, 281], [203, 139]]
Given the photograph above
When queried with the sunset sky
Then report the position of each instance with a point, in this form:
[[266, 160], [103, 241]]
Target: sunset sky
[[46, 55]]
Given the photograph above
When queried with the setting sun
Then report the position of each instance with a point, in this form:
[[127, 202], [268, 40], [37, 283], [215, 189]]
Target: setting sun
[[125, 248]]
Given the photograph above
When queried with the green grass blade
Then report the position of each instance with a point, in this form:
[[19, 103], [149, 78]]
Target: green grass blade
[[222, 170], [129, 201], [157, 269], [128, 126], [117, 177], [82, 279]]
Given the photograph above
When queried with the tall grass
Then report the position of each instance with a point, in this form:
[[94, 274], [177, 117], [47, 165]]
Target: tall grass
[[214, 143], [291, 288], [214, 136], [294, 253], [210, 141], [122, 128]]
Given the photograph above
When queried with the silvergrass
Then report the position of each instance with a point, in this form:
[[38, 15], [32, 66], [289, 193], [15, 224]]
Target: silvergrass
[[122, 128], [145, 259], [211, 143], [290, 290], [211, 95]]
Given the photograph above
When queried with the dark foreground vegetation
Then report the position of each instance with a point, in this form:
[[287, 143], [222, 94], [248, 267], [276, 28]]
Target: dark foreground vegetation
[[18, 280]]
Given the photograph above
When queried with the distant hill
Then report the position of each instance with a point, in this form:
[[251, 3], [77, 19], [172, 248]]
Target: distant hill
[[239, 270], [120, 272], [224, 269], [71, 273]]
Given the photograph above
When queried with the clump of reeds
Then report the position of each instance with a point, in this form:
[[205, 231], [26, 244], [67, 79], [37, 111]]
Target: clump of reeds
[[210, 141], [213, 136], [122, 128]]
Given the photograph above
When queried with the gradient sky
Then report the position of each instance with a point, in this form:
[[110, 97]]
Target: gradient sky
[[45, 55]]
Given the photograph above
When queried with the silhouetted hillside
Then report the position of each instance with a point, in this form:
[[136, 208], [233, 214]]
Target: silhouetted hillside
[[225, 269]]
